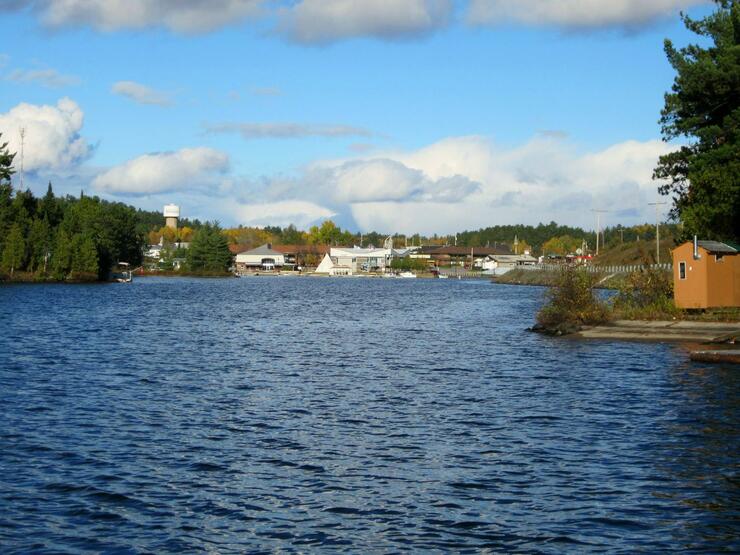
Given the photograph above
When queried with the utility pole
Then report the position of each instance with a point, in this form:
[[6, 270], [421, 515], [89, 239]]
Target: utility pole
[[657, 228], [598, 226], [516, 244]]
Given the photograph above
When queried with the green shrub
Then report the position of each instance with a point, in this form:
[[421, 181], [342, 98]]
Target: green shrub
[[407, 263], [571, 303], [646, 294]]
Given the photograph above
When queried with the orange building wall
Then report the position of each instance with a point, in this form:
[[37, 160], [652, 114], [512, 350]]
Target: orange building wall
[[708, 283], [721, 281]]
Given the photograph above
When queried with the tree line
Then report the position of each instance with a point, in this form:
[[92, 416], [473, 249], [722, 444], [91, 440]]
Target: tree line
[[65, 238]]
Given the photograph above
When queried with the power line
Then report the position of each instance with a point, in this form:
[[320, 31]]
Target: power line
[[598, 226], [657, 228]]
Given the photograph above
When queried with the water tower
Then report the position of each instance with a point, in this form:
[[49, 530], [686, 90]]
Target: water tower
[[171, 215]]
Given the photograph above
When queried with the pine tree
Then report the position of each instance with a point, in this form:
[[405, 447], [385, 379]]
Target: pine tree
[[62, 257], [704, 107], [6, 192], [6, 163], [39, 244], [84, 256], [209, 250], [14, 252]]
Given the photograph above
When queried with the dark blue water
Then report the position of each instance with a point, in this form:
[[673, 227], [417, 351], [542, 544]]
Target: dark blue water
[[305, 414]]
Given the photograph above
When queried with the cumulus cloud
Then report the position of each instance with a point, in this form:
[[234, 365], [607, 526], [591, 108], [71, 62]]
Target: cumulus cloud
[[49, 78], [325, 21], [298, 212], [575, 13], [184, 169], [287, 130], [52, 134], [470, 182], [390, 180], [141, 94], [185, 16]]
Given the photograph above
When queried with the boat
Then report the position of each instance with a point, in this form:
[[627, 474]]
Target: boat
[[407, 275], [442, 276], [123, 273]]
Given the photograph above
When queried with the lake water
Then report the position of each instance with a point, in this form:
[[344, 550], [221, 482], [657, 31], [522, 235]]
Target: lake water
[[358, 415]]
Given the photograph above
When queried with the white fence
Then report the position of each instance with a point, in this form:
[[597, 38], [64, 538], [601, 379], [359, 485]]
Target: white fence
[[618, 269]]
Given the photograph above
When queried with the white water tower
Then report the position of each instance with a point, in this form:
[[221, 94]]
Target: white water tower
[[171, 215]]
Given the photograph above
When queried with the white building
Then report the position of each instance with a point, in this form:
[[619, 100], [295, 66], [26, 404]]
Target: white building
[[327, 266], [498, 264], [360, 259], [261, 258]]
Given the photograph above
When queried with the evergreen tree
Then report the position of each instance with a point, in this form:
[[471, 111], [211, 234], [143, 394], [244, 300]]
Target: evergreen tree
[[39, 244], [62, 256], [6, 192], [14, 252], [704, 107], [6, 163], [48, 208], [84, 255], [209, 250]]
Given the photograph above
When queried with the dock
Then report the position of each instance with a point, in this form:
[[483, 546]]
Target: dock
[[731, 356], [681, 331]]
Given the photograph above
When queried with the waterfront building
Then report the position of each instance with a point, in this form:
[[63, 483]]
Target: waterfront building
[[455, 256], [706, 274], [369, 259], [263, 257], [327, 266], [499, 264]]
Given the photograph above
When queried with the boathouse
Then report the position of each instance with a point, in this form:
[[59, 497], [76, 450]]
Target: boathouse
[[261, 258], [706, 274]]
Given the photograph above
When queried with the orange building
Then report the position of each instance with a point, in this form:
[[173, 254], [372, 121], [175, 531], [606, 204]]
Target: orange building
[[706, 274]]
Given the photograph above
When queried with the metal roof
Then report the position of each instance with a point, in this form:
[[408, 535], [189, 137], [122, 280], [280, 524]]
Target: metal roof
[[265, 249], [716, 246]]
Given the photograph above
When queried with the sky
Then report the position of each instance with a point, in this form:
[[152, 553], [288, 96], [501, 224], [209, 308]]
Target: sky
[[399, 116]]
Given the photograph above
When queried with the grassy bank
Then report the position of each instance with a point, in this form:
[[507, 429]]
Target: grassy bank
[[643, 295], [549, 278]]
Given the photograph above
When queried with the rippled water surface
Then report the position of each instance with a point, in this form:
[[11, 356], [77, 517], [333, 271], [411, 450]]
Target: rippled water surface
[[357, 415]]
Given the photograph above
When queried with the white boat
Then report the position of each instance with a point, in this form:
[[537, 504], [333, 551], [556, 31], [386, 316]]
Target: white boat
[[124, 273], [442, 276], [407, 275]]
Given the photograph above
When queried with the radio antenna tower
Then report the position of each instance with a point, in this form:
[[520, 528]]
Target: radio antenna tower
[[23, 140]]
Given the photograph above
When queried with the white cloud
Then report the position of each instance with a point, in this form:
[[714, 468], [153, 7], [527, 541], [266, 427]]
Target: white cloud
[[469, 182], [575, 13], [141, 93], [183, 170], [185, 16], [49, 78], [325, 21], [390, 180], [298, 212], [287, 130], [52, 139]]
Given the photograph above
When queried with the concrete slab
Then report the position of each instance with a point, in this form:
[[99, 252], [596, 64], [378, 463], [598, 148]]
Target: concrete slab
[[674, 331]]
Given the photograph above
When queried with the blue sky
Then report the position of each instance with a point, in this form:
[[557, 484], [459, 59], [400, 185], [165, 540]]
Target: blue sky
[[395, 115]]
